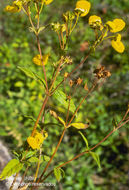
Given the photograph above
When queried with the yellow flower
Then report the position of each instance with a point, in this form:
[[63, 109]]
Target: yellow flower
[[33, 143], [95, 21], [117, 44], [83, 7], [37, 139], [116, 25], [66, 74], [37, 59], [11, 9], [47, 2], [14, 8]]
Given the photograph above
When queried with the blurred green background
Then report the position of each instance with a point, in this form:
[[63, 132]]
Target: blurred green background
[[21, 96]]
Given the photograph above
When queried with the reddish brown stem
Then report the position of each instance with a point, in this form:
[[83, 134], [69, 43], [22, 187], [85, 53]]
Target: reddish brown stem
[[52, 156], [82, 102], [40, 52], [41, 110]]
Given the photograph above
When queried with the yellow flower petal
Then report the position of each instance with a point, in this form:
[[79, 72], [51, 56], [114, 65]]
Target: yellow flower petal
[[11, 9], [33, 143], [14, 8], [83, 7], [95, 22], [45, 135], [47, 2], [94, 19], [117, 44], [39, 137], [116, 25], [120, 24], [37, 59]]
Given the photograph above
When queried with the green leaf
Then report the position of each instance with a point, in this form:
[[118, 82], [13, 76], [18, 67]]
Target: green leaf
[[41, 29], [28, 154], [61, 97], [62, 172], [79, 125], [33, 159], [32, 75], [86, 141], [61, 120], [96, 158], [57, 173], [19, 84], [46, 158], [11, 168]]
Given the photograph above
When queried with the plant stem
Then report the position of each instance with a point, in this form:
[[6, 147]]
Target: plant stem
[[41, 110], [40, 52], [38, 165], [56, 74], [52, 155], [75, 23], [92, 88], [68, 110], [11, 188], [59, 39], [23, 176]]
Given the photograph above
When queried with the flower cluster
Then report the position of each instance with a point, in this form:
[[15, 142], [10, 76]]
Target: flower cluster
[[18, 4], [36, 141], [112, 27], [15, 7], [116, 26]]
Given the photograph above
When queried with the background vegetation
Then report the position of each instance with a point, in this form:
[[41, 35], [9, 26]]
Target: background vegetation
[[20, 96]]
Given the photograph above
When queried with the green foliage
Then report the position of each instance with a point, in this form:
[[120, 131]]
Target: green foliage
[[32, 75], [86, 141], [60, 96], [11, 168], [33, 159], [59, 172], [96, 158], [20, 94]]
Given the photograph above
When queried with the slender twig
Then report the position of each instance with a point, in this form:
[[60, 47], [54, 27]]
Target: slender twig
[[26, 170], [38, 165], [92, 88], [67, 116], [59, 39], [52, 155], [38, 14], [54, 78], [41, 110], [15, 178], [40, 52], [75, 23], [62, 39]]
